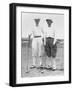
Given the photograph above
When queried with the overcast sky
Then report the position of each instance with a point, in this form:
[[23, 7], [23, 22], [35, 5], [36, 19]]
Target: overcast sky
[[28, 23]]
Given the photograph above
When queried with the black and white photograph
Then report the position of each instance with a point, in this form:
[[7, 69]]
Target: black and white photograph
[[41, 44]]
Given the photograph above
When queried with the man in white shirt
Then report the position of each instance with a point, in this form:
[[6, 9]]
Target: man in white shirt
[[37, 44], [50, 43]]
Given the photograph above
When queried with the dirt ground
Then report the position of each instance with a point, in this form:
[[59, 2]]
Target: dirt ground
[[26, 62]]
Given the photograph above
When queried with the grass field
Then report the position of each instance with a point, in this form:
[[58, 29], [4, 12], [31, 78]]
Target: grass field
[[26, 62]]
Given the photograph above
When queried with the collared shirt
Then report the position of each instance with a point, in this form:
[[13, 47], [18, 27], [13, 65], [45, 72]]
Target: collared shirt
[[49, 32], [37, 32]]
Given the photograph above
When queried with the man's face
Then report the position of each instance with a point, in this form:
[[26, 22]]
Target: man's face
[[49, 25], [37, 22]]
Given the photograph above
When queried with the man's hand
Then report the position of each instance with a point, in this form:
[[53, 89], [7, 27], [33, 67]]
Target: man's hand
[[44, 44], [54, 42], [44, 41]]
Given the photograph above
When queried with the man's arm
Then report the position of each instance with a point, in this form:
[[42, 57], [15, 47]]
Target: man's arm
[[54, 41], [54, 37], [31, 35], [44, 37]]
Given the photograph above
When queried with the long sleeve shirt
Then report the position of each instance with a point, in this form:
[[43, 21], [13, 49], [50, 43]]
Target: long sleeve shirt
[[49, 32], [37, 31]]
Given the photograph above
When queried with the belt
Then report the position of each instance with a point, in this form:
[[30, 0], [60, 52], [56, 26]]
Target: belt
[[37, 36], [49, 38]]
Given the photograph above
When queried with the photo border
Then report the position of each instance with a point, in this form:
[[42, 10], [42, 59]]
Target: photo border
[[12, 41]]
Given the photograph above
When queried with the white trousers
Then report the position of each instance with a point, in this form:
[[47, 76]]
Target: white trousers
[[37, 50], [37, 46]]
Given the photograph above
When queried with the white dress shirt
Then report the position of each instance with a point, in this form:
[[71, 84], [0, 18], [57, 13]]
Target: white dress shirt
[[37, 31], [49, 32]]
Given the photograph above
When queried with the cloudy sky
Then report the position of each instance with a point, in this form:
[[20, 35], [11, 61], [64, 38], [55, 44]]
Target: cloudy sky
[[28, 23]]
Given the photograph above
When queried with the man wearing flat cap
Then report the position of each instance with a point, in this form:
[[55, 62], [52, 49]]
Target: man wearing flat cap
[[50, 43], [36, 44]]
